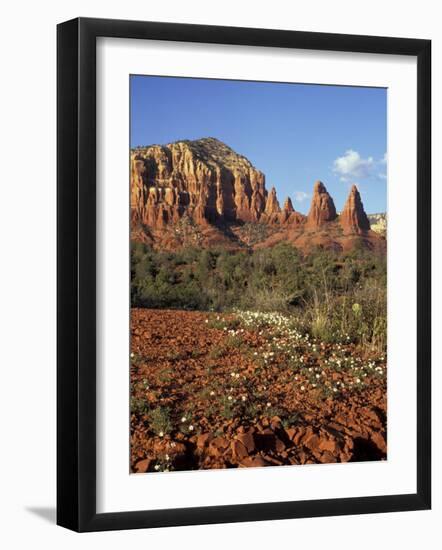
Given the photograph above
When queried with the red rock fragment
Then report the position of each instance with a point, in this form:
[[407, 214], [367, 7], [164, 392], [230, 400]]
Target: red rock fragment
[[254, 462], [248, 441], [379, 440], [142, 466], [238, 449], [202, 440], [329, 445]]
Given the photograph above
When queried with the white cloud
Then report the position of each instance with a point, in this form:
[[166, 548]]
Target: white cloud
[[383, 162], [301, 196], [352, 166]]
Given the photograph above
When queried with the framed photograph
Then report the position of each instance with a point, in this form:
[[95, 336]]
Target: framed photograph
[[243, 274]]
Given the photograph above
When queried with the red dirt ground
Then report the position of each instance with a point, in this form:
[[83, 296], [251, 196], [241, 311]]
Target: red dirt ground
[[223, 391]]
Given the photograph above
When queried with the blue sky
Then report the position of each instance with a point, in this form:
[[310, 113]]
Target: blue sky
[[294, 133]]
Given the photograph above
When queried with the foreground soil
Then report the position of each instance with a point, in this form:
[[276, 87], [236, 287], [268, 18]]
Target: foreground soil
[[247, 390]]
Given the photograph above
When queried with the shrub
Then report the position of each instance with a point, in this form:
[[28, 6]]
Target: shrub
[[160, 421], [331, 296], [138, 406]]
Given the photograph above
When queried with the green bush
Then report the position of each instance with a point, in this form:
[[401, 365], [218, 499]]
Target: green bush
[[320, 289], [160, 421]]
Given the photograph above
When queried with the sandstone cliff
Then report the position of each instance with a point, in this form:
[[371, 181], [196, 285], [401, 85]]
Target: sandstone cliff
[[204, 179]]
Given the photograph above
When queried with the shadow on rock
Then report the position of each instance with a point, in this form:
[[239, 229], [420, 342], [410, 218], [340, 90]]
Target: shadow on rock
[[365, 450]]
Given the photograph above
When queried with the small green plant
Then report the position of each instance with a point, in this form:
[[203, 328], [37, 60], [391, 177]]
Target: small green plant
[[232, 323], [235, 341], [138, 405], [251, 410], [176, 355], [205, 393], [273, 411], [216, 352], [223, 323], [164, 464], [326, 392], [211, 410], [135, 358], [290, 420], [217, 322], [160, 421], [210, 371], [228, 409], [165, 375]]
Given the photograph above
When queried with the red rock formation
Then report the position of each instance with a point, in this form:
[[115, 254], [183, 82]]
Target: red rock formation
[[353, 217], [272, 204], [288, 206], [202, 193], [204, 179], [322, 207], [289, 216]]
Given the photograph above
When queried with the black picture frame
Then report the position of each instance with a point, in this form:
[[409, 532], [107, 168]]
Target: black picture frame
[[76, 274]]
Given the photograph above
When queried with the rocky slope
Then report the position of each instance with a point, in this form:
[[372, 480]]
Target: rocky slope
[[203, 193]]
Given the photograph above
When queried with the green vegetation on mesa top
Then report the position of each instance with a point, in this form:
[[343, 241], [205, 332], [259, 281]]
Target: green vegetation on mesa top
[[209, 149], [333, 296]]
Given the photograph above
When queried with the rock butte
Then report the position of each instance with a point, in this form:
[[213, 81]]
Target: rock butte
[[322, 208], [203, 179], [208, 185], [353, 218]]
